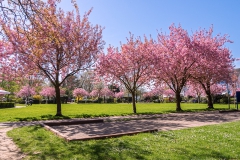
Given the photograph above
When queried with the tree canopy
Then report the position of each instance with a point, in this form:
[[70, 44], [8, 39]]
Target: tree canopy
[[48, 41]]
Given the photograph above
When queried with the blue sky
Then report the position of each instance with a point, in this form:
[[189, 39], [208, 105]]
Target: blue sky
[[147, 17]]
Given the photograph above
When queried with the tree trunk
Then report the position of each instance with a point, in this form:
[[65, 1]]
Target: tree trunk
[[178, 101], [136, 97], [134, 103], [210, 102], [209, 96], [58, 100], [199, 99], [47, 99], [228, 101], [207, 90]]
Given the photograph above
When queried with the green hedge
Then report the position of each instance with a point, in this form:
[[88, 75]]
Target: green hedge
[[7, 105], [86, 101]]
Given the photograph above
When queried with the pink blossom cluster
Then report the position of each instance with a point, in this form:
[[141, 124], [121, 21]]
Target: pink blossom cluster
[[51, 92], [102, 92], [119, 95], [94, 93], [80, 92], [26, 91], [48, 92], [106, 92]]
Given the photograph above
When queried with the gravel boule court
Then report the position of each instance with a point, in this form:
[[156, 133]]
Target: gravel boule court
[[130, 125]]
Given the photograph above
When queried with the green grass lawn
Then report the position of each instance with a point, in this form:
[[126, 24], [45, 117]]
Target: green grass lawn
[[47, 111], [208, 142]]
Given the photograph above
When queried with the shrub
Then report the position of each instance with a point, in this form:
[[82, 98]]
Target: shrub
[[110, 100], [12, 100], [95, 101], [20, 101], [204, 100], [232, 100], [81, 101], [37, 97], [169, 99], [156, 101], [100, 100], [224, 100], [7, 105], [36, 101], [193, 100], [119, 100], [50, 101]]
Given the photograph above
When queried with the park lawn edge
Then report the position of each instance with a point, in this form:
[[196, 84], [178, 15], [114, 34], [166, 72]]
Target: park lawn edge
[[220, 141], [72, 111]]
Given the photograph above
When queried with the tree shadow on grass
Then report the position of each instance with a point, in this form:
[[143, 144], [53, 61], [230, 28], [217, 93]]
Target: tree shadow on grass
[[50, 117], [174, 111], [116, 149], [202, 110], [43, 117], [54, 148], [95, 115], [47, 146], [27, 119], [88, 115], [170, 111], [147, 113]]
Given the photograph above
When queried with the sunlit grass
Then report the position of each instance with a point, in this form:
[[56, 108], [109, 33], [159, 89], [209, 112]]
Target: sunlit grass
[[208, 142], [47, 111]]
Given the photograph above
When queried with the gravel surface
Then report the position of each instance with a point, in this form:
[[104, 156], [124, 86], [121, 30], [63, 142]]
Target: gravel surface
[[8, 149]]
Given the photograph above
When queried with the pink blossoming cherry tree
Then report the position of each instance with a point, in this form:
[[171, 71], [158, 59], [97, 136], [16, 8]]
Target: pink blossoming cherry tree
[[176, 60], [130, 66], [48, 41], [214, 64], [26, 91], [79, 93]]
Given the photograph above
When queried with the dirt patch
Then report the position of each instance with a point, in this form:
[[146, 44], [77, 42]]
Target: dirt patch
[[8, 149], [19, 106]]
